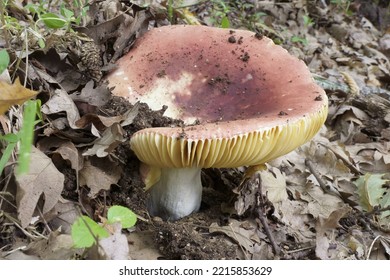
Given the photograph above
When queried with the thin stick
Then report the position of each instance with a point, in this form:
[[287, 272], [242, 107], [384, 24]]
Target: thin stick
[[261, 216], [324, 187]]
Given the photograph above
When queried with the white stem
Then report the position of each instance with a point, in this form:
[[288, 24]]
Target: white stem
[[177, 194]]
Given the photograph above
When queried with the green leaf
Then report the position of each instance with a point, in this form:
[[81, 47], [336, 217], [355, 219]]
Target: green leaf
[[307, 21], [4, 60], [373, 193], [32, 8], [225, 23], [85, 231], [53, 21], [41, 43], [370, 190], [121, 214], [385, 202], [10, 137], [6, 156], [66, 13], [296, 39], [26, 135]]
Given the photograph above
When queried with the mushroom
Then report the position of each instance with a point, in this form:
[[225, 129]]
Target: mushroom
[[243, 99]]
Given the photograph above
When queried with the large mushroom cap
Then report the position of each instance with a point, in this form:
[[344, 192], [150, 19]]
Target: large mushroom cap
[[245, 99]]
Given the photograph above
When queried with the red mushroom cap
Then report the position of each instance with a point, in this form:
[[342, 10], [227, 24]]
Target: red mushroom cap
[[245, 99]]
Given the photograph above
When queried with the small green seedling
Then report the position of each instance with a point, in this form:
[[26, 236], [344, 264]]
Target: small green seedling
[[86, 232], [307, 21], [31, 117], [297, 39]]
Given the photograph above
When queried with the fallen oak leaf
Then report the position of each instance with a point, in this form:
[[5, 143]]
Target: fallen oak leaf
[[98, 96], [43, 179], [99, 174], [274, 183], [61, 102], [13, 94], [244, 237]]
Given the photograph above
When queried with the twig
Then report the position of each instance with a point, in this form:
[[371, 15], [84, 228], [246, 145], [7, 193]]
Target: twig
[[300, 250], [324, 187], [377, 210], [261, 216], [350, 165]]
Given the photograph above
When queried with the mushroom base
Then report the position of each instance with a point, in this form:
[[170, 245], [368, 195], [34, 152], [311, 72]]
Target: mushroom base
[[177, 194]]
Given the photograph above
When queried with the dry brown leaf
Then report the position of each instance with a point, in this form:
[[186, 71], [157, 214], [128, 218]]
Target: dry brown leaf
[[371, 157], [68, 151], [62, 216], [115, 247], [105, 145], [101, 122], [274, 183], [320, 204], [13, 94], [43, 179], [99, 174], [57, 247], [61, 102], [65, 148], [98, 96], [291, 213], [325, 224], [244, 237], [19, 255], [263, 251]]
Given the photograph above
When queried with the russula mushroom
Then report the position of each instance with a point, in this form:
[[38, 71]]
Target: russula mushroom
[[244, 101]]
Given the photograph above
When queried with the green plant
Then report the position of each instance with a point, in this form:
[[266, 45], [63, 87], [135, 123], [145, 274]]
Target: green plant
[[64, 19], [42, 16], [241, 13], [307, 21], [170, 11], [4, 60], [297, 39], [24, 137], [220, 12], [343, 5], [86, 232]]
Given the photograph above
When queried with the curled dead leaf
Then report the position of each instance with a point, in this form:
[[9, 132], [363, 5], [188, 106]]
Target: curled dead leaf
[[105, 145], [61, 102], [13, 94]]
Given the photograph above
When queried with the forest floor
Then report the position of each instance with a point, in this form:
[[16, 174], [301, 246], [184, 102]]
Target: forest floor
[[328, 199]]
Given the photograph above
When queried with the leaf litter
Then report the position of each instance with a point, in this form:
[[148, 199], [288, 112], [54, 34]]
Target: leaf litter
[[328, 199]]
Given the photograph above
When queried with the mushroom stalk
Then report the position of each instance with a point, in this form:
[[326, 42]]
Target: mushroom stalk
[[177, 194]]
